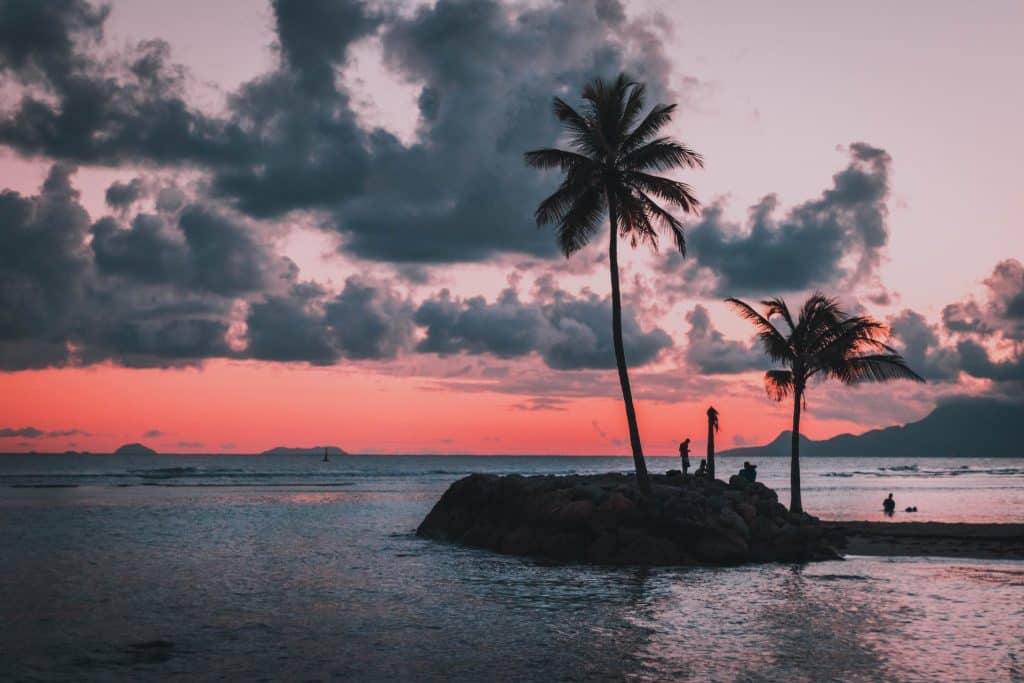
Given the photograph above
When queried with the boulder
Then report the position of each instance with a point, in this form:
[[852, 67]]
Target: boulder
[[604, 519]]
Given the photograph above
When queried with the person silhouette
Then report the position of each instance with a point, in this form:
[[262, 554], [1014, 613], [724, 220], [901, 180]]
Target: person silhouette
[[684, 455], [889, 506], [702, 469]]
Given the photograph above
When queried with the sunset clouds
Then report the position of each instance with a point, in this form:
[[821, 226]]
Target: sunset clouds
[[163, 231]]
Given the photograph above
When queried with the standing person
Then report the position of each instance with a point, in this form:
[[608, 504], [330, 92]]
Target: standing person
[[684, 454], [889, 505]]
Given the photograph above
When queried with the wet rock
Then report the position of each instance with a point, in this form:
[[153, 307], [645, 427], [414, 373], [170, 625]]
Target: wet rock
[[604, 519]]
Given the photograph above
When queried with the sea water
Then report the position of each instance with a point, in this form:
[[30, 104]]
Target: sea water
[[289, 568]]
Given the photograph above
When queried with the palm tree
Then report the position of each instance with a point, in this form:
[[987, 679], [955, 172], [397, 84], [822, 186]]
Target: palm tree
[[712, 428], [611, 168], [823, 342]]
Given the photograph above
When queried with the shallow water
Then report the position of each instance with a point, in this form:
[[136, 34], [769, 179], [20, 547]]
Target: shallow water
[[285, 568]]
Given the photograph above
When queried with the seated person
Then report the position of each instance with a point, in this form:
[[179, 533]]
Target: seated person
[[889, 505], [702, 469], [749, 472]]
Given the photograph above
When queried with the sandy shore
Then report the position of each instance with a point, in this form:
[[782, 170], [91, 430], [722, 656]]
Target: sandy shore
[[982, 541]]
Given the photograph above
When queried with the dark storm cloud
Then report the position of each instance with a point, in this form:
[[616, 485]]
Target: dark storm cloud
[[710, 352], [364, 322], [834, 238], [204, 250], [991, 331], [120, 195], [63, 301], [568, 332], [290, 140], [919, 343]]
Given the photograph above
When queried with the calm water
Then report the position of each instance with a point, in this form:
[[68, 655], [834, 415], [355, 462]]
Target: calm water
[[289, 568]]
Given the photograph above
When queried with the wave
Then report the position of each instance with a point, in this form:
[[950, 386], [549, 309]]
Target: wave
[[906, 471]]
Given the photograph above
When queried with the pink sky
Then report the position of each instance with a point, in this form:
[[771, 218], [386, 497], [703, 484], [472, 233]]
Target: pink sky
[[772, 96]]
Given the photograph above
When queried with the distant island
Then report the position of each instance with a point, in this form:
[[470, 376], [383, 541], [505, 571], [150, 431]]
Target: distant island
[[962, 427], [134, 449], [315, 450]]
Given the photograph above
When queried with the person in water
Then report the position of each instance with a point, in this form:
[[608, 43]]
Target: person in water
[[889, 505], [702, 469], [749, 472], [684, 455]]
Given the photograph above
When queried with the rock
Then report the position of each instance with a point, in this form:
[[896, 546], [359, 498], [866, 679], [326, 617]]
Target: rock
[[604, 519]]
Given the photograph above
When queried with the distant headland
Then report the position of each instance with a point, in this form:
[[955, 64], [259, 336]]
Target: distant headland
[[314, 450], [134, 449]]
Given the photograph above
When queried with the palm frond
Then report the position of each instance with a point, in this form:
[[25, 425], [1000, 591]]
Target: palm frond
[[877, 367], [655, 120], [777, 306], [581, 221], [634, 103], [775, 344], [558, 158], [778, 384], [665, 219], [680, 194], [662, 154], [583, 135], [634, 221]]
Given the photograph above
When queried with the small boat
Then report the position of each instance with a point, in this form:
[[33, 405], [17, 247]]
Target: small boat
[[326, 459]]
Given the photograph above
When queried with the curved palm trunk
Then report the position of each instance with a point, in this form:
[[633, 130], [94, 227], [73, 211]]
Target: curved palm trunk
[[620, 354], [711, 447], [794, 464]]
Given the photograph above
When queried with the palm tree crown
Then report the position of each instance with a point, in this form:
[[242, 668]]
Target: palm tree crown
[[822, 342], [611, 168]]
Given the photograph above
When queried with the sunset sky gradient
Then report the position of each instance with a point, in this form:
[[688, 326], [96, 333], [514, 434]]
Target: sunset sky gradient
[[310, 223]]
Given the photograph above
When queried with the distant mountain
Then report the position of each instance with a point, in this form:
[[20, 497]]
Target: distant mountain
[[963, 427], [315, 450], [134, 449]]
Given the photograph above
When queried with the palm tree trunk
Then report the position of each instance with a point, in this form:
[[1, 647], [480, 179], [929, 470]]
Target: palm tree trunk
[[620, 354], [711, 448], [794, 465]]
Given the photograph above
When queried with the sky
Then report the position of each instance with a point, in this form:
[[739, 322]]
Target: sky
[[230, 226]]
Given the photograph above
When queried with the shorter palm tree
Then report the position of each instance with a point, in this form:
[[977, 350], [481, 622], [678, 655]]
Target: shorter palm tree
[[712, 428], [822, 342]]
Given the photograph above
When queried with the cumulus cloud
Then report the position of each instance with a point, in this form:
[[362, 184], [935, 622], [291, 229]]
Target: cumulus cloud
[[990, 332], [568, 332], [365, 321], [710, 352], [289, 138], [838, 237], [918, 341]]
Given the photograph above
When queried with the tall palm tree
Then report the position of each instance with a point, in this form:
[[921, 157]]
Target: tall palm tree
[[712, 428], [823, 342], [611, 168]]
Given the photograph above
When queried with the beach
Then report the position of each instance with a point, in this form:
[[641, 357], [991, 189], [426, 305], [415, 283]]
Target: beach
[[932, 539]]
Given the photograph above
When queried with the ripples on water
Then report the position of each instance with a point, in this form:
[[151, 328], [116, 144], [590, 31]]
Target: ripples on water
[[252, 579]]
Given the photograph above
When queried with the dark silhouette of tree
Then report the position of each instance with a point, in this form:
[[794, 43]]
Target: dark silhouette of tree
[[712, 428], [611, 168], [822, 342]]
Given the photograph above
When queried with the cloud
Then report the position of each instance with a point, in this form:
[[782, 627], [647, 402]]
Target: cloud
[[991, 331], [153, 433], [366, 321], [120, 196], [289, 139], [710, 352], [568, 332], [33, 433], [539, 403], [919, 343], [837, 237]]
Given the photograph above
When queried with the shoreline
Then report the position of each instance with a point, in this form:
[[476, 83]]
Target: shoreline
[[983, 541]]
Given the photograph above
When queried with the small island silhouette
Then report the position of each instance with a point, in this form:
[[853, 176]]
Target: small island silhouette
[[314, 450], [134, 449]]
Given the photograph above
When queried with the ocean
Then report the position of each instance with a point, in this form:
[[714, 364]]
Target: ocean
[[289, 568]]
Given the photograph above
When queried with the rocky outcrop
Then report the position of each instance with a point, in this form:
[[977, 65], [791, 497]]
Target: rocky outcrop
[[603, 519]]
